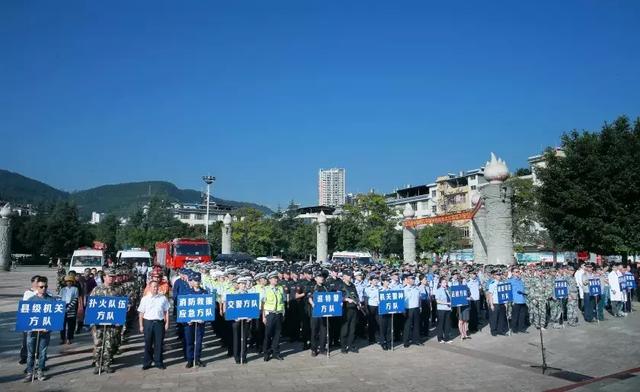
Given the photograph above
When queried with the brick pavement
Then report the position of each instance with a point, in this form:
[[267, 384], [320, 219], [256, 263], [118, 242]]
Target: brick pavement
[[482, 363]]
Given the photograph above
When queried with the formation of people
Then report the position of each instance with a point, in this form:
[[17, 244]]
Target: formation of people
[[286, 304]]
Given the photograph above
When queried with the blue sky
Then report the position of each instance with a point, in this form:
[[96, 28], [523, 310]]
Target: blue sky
[[262, 94]]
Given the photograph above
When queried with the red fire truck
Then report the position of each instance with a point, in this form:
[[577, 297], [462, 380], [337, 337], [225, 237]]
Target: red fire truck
[[175, 253]]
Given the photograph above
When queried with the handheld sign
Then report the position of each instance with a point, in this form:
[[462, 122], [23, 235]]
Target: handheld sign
[[594, 287], [631, 281], [459, 295], [504, 293], [391, 301], [327, 304], [40, 315], [561, 289], [106, 310], [242, 306], [196, 308]]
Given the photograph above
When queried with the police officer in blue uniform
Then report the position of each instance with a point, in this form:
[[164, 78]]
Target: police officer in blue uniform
[[412, 312], [194, 331]]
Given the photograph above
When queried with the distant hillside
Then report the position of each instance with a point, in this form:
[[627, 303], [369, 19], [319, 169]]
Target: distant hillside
[[17, 188], [118, 199]]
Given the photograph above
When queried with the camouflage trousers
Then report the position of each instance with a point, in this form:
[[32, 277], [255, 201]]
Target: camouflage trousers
[[110, 337], [572, 312], [555, 313], [538, 313]]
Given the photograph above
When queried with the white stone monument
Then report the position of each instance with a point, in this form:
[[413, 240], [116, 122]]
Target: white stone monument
[[408, 237], [226, 235], [322, 238], [5, 238]]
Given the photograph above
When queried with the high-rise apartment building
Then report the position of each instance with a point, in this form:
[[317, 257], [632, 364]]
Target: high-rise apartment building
[[331, 187]]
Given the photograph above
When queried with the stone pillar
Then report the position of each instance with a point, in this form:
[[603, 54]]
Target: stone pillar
[[479, 223], [408, 237], [497, 200], [226, 235], [5, 238], [322, 242]]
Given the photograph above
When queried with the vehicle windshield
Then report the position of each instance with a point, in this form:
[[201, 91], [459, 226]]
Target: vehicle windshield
[[133, 260], [86, 261], [192, 250]]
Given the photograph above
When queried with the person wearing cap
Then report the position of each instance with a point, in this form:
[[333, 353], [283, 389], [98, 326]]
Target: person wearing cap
[[69, 294], [372, 301], [153, 322], [240, 330], [588, 303], [349, 314], [425, 305], [272, 316], [258, 325], [180, 287], [318, 324], [519, 307], [194, 331], [497, 311], [443, 300], [474, 285], [107, 333], [360, 284], [384, 320], [615, 293], [411, 332]]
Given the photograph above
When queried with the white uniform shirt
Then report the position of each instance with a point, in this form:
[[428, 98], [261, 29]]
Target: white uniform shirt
[[153, 306]]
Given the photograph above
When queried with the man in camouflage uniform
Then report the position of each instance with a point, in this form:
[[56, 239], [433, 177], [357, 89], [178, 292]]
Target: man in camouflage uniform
[[107, 335], [555, 305], [572, 301], [537, 311]]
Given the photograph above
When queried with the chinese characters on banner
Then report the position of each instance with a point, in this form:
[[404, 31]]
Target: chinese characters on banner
[[561, 289], [630, 280], [327, 304], [40, 315], [459, 295], [196, 308], [504, 293], [391, 301], [594, 287], [242, 306], [106, 310]]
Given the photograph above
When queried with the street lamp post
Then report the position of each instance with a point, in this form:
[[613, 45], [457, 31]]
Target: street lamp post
[[208, 180]]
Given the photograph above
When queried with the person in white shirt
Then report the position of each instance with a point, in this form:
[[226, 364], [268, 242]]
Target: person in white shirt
[[154, 322], [27, 294], [69, 294], [615, 293], [578, 276]]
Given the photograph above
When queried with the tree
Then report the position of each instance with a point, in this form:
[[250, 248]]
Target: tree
[[440, 239], [525, 216], [107, 231], [590, 197], [303, 241], [63, 231]]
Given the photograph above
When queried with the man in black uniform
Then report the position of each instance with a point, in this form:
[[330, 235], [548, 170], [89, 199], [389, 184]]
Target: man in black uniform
[[349, 314], [318, 324], [302, 291], [333, 283]]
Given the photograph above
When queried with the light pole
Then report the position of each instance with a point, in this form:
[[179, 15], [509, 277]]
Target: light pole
[[208, 180]]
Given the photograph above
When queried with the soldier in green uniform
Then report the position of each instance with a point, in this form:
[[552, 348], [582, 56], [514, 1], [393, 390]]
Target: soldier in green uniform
[[107, 334], [572, 301], [555, 304]]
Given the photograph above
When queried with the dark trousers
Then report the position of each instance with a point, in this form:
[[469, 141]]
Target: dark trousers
[[193, 336], [411, 326], [318, 333], [474, 315], [425, 316], [444, 325], [498, 319], [372, 322], [306, 324], [361, 322], [434, 310], [153, 337], [348, 329], [229, 335], [258, 333], [588, 307], [68, 329], [518, 315], [385, 328], [239, 344], [272, 334]]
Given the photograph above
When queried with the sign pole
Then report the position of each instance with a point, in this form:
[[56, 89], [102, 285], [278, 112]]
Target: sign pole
[[195, 345], [37, 356], [328, 341], [241, 341], [392, 345], [508, 324], [562, 313], [597, 318], [104, 332]]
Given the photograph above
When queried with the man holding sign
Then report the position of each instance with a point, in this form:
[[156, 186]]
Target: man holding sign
[[154, 322]]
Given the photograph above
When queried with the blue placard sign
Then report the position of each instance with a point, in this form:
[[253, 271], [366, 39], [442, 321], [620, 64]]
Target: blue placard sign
[[504, 293], [391, 301], [594, 287], [631, 281], [459, 295], [327, 304], [196, 308], [40, 316], [561, 289], [106, 310], [242, 306]]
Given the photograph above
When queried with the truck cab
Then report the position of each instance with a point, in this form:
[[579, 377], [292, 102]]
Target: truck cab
[[86, 258]]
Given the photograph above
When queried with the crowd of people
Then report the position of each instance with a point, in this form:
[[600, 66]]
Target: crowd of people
[[286, 306]]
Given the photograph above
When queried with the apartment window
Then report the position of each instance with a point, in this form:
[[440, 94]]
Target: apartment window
[[198, 216], [473, 177], [433, 193], [465, 232], [434, 209], [473, 187], [184, 216]]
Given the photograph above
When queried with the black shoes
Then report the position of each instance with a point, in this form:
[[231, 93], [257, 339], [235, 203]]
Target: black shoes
[[278, 357], [146, 367], [109, 369], [161, 366], [267, 357], [189, 365], [200, 364]]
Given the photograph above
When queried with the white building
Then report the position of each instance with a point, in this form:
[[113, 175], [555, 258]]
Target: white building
[[331, 187], [194, 214], [96, 217]]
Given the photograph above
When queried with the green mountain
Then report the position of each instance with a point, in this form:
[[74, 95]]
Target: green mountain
[[118, 199], [17, 188]]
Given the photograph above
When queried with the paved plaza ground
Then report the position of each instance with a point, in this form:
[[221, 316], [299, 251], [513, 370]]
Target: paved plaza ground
[[593, 357]]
